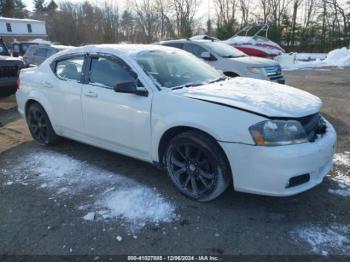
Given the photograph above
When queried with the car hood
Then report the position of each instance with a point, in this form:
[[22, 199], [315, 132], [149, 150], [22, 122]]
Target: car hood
[[257, 96], [254, 61]]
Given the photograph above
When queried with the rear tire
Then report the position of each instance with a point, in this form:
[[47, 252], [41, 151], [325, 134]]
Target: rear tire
[[40, 126], [197, 166]]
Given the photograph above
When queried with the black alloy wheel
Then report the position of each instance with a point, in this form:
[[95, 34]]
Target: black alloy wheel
[[40, 125], [197, 166]]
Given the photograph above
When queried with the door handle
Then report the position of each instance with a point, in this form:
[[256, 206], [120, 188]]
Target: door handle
[[91, 94], [47, 84]]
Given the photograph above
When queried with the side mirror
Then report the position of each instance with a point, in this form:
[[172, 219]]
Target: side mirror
[[130, 87], [208, 56], [205, 55]]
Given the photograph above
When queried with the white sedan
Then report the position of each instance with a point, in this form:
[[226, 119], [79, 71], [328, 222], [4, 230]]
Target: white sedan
[[165, 106]]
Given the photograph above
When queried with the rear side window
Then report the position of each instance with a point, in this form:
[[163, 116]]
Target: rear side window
[[30, 50], [176, 45], [42, 52], [195, 49], [51, 51], [70, 68], [107, 72]]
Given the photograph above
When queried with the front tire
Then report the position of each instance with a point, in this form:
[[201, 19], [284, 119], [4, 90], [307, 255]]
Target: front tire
[[197, 166], [40, 126]]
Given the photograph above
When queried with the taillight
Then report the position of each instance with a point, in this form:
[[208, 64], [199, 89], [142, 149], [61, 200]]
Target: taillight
[[18, 82]]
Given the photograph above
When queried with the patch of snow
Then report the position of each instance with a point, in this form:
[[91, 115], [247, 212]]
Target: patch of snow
[[342, 159], [110, 195], [323, 241], [342, 181], [341, 175], [119, 238], [340, 192], [40, 41], [90, 216], [324, 253], [338, 57], [137, 205], [9, 183], [310, 56]]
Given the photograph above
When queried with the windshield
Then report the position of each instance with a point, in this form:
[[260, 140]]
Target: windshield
[[172, 69], [3, 50], [224, 50]]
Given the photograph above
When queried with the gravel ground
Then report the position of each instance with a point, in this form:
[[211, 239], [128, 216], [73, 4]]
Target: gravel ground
[[66, 214]]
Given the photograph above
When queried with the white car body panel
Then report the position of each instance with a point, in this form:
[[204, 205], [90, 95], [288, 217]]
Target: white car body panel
[[258, 96], [121, 120], [134, 125]]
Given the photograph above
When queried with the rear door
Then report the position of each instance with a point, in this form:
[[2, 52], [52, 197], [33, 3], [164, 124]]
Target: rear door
[[117, 121], [64, 93]]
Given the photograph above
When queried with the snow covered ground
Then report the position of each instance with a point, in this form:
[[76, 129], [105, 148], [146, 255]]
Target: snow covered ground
[[111, 196], [325, 241], [334, 237], [341, 175], [297, 61]]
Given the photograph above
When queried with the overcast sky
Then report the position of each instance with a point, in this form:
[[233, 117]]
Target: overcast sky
[[203, 8]]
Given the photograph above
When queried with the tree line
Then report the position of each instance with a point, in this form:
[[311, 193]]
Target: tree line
[[297, 25]]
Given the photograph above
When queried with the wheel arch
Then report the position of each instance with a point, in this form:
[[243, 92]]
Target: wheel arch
[[174, 131], [41, 100], [28, 103]]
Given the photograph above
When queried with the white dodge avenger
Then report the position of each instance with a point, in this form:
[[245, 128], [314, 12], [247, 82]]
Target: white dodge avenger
[[165, 106]]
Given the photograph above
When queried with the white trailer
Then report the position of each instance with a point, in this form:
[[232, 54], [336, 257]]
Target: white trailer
[[14, 27]]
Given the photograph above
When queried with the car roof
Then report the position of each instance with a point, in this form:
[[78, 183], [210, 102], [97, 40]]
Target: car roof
[[186, 41], [127, 49]]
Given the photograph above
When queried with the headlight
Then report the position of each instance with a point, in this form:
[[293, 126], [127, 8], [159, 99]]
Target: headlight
[[278, 132], [255, 70]]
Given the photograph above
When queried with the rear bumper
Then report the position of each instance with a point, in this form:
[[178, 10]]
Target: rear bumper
[[268, 170]]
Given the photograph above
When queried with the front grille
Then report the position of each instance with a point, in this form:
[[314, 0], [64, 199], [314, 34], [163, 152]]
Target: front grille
[[273, 70], [313, 125], [9, 71]]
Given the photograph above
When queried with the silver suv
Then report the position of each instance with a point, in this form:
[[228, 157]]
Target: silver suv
[[36, 54], [231, 61]]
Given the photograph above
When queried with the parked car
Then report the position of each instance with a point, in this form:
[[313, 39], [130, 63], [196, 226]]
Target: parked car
[[167, 107], [19, 48], [230, 60], [9, 68], [36, 54]]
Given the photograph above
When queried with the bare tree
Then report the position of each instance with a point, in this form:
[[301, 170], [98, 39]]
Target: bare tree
[[185, 11]]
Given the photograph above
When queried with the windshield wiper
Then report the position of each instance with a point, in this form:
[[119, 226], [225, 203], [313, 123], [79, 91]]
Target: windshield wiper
[[186, 85], [222, 78]]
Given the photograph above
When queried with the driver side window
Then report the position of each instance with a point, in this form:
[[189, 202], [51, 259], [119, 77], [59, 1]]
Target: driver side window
[[195, 49], [107, 72]]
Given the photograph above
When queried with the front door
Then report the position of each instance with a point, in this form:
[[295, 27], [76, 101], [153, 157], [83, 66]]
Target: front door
[[118, 121]]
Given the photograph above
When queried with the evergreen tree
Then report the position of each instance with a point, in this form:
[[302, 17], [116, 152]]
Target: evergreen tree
[[39, 5], [7, 8], [52, 6], [12, 8]]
